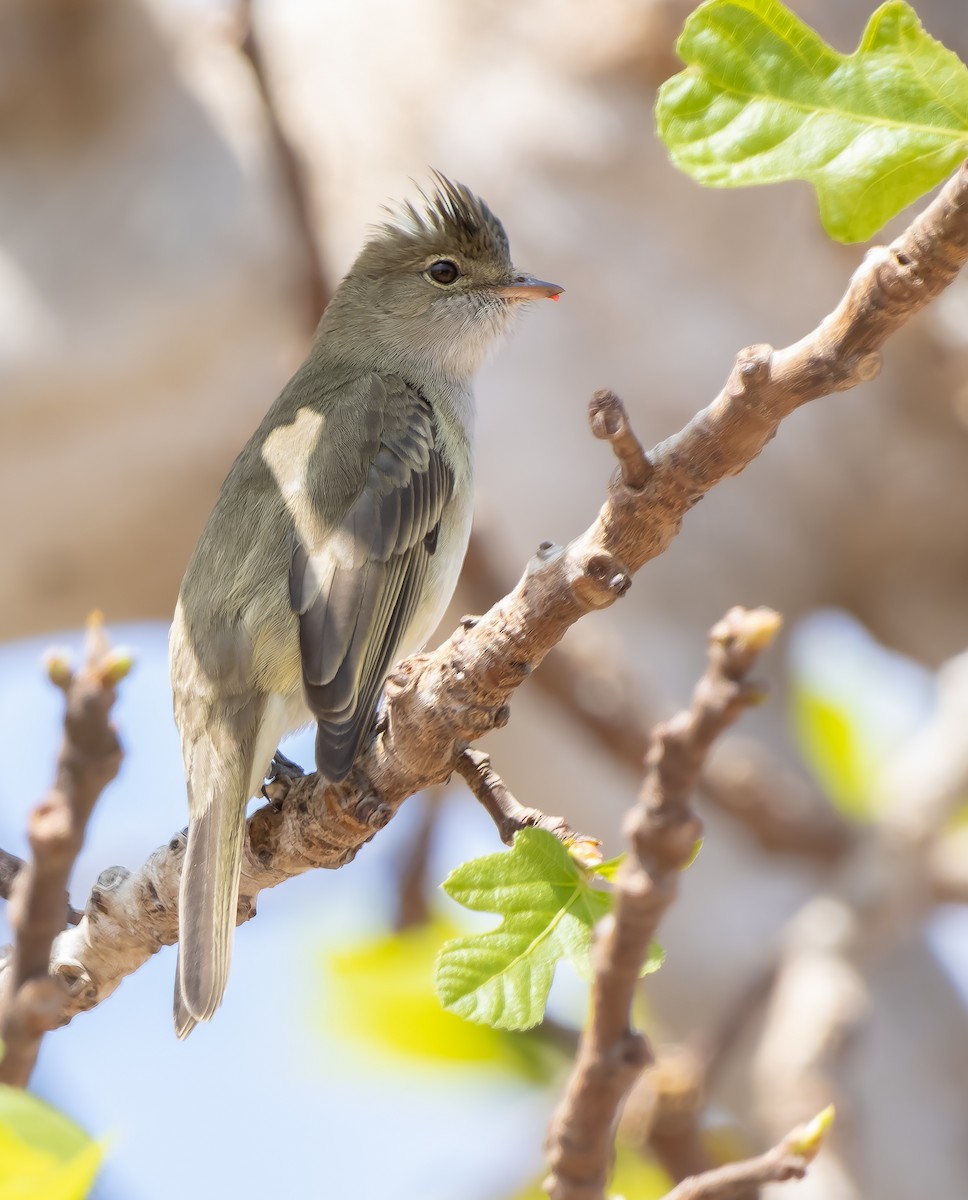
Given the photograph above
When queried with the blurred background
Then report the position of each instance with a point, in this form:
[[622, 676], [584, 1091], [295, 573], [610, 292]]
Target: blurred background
[[182, 184]]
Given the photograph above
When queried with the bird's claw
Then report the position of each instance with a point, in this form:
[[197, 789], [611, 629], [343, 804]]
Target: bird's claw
[[282, 774]]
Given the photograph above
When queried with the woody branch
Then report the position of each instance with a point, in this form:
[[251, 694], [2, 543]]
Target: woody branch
[[32, 1002], [662, 831], [439, 703]]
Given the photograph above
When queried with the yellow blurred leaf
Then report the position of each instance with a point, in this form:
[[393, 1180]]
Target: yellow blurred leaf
[[633, 1177], [833, 749], [43, 1155], [381, 994]]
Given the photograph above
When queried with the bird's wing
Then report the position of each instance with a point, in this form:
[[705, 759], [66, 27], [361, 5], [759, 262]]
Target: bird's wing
[[356, 590]]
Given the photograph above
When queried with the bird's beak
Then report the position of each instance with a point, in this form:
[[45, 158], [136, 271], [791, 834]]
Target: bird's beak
[[526, 287]]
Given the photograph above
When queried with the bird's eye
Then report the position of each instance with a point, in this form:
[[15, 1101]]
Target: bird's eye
[[443, 271]]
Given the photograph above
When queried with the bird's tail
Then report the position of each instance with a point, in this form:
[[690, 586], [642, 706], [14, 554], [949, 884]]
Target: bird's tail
[[219, 785]]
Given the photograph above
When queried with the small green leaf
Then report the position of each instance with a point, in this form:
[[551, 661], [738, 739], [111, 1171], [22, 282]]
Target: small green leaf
[[693, 855], [381, 994], [764, 99], [653, 960], [833, 748], [609, 868], [502, 978], [43, 1155]]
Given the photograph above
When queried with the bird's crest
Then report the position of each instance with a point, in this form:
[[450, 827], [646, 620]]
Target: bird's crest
[[451, 218]]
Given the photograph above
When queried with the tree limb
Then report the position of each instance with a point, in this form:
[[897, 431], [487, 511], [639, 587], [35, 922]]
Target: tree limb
[[662, 831], [778, 808], [788, 1159], [439, 703], [31, 1002], [293, 175]]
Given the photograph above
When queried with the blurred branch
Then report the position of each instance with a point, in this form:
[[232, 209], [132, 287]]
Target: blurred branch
[[788, 1159], [663, 1111], [879, 894], [734, 1016], [779, 809], [412, 907], [662, 832], [293, 174], [663, 1114], [439, 703], [31, 1001], [948, 869]]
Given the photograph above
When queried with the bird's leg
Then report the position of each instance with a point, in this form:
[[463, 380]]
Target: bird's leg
[[282, 772]]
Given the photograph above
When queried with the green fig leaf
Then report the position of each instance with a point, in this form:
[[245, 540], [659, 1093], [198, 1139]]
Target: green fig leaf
[[549, 904], [763, 98]]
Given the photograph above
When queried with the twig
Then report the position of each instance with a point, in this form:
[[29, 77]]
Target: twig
[[779, 809], [783, 812], [412, 906], [662, 1115], [439, 703], [662, 831], [293, 175], [788, 1159], [663, 1112], [31, 1001], [610, 422], [504, 810], [712, 1049], [833, 949]]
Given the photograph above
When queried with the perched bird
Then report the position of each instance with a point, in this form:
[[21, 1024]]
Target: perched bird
[[336, 541]]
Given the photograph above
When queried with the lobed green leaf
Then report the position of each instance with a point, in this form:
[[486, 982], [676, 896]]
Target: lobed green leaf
[[502, 978], [764, 98]]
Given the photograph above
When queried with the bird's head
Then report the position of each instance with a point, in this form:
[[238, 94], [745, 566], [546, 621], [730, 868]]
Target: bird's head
[[434, 287]]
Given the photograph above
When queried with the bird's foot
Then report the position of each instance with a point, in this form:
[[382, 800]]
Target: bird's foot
[[282, 773]]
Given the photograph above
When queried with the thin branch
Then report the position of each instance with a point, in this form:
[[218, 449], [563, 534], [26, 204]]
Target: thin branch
[[780, 810], [834, 948], [439, 703], [662, 1114], [610, 423], [734, 1179], [412, 907], [31, 1002], [713, 1048], [293, 175], [507, 813], [662, 831]]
